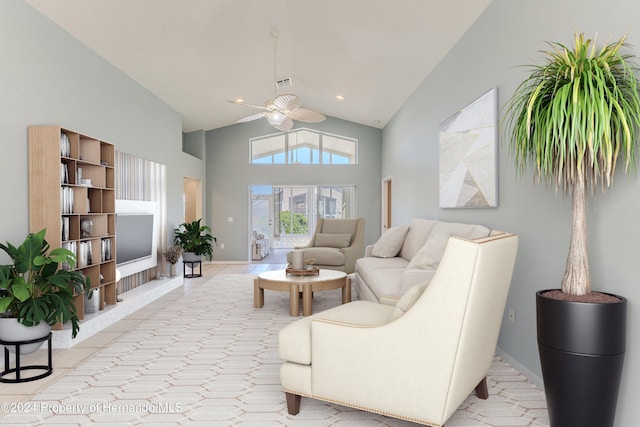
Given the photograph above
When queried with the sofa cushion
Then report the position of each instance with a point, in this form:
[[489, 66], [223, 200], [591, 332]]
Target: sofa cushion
[[419, 230], [333, 240], [389, 244], [428, 257], [407, 300], [325, 256]]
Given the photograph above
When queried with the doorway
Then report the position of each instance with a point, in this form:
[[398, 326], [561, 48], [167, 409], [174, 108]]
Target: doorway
[[192, 199]]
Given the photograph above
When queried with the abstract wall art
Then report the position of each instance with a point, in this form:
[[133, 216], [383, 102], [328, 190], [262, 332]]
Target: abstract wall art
[[468, 155]]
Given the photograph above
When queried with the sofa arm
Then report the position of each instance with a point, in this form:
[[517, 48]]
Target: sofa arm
[[367, 250]]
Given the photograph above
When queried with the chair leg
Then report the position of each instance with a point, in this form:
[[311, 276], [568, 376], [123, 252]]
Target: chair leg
[[293, 403], [482, 391]]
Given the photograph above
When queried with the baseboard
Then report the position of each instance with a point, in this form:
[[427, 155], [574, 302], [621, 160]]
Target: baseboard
[[520, 368], [228, 262]]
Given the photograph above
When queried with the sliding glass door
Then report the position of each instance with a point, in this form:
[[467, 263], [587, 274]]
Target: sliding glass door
[[288, 214]]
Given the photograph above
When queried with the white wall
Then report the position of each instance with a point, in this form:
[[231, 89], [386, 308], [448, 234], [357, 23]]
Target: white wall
[[511, 33], [48, 77]]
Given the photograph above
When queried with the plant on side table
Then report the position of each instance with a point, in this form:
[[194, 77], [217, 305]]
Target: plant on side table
[[575, 118], [35, 293], [195, 240]]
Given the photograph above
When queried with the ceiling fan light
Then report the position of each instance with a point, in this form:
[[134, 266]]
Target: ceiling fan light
[[275, 118]]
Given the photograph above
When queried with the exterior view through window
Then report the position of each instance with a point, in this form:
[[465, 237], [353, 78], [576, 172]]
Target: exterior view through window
[[304, 147], [287, 215]]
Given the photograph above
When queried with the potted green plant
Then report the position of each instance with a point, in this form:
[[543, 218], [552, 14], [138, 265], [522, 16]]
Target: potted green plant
[[195, 239], [575, 119], [35, 292]]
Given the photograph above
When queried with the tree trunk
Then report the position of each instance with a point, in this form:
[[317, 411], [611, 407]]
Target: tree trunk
[[577, 280]]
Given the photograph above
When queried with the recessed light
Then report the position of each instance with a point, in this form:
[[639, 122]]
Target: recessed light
[[239, 101], [340, 97]]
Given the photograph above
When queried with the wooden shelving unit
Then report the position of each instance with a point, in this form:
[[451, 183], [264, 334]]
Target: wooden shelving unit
[[72, 195]]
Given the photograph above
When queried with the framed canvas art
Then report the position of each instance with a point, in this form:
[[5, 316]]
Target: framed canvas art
[[469, 155]]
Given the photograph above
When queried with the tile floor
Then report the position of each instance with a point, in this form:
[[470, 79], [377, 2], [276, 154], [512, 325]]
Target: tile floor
[[202, 355]]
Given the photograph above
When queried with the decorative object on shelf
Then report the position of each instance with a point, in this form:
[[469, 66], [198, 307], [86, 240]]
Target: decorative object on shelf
[[576, 118], [195, 240], [86, 225], [172, 255], [469, 154], [34, 289]]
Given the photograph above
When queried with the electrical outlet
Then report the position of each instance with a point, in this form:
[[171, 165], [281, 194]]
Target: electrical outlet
[[221, 245], [511, 315]]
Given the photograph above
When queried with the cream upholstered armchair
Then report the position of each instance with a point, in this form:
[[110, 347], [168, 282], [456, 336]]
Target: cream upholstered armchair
[[336, 244], [417, 360]]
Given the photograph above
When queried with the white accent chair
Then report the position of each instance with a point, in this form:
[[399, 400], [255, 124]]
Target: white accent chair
[[418, 360]]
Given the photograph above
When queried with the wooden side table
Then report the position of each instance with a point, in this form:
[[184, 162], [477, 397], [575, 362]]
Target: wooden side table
[[192, 266]]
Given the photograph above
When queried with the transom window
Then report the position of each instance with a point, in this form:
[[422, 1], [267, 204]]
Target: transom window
[[304, 147]]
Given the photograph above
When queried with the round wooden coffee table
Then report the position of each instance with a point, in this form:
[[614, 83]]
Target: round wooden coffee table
[[279, 280]]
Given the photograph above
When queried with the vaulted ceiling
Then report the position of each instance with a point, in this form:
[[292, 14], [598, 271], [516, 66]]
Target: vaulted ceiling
[[196, 55]]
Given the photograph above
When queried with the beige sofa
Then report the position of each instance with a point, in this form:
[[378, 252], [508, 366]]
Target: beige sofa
[[405, 256], [336, 244], [418, 360]]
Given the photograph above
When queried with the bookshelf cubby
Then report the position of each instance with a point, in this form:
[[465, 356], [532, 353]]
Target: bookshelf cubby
[[72, 195]]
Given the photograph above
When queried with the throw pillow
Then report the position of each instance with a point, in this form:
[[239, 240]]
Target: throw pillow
[[390, 243], [407, 300], [428, 257], [333, 240]]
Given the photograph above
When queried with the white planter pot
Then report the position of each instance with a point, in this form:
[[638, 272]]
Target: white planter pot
[[191, 256], [12, 330]]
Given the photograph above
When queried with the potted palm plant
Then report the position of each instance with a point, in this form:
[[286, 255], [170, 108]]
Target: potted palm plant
[[575, 119], [35, 293], [195, 239]]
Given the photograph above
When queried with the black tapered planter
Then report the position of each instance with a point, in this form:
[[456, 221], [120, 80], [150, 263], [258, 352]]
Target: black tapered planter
[[582, 349]]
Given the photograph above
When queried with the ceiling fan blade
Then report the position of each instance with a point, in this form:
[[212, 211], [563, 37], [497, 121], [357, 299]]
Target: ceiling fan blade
[[286, 102], [261, 107], [307, 116], [286, 124], [251, 118]]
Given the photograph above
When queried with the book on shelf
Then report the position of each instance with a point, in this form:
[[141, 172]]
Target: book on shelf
[[65, 146], [65, 228], [64, 173], [84, 254], [70, 246], [66, 200], [106, 249]]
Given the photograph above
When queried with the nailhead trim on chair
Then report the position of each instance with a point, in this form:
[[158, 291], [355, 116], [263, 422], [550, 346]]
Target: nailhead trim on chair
[[364, 408]]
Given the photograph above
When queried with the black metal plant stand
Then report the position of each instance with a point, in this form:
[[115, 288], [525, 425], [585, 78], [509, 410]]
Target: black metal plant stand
[[48, 369], [192, 265]]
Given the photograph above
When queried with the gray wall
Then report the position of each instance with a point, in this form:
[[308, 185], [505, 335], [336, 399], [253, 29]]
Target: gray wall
[[511, 33], [229, 175], [48, 77]]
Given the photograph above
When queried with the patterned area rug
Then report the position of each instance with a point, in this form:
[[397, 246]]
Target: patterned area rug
[[209, 358]]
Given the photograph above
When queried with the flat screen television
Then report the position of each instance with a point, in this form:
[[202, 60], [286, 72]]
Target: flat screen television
[[137, 231], [134, 234]]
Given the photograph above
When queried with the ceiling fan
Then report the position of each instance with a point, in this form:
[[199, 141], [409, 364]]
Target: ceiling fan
[[282, 110]]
